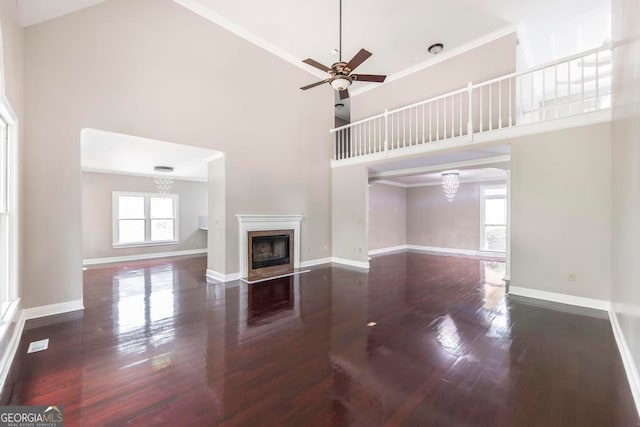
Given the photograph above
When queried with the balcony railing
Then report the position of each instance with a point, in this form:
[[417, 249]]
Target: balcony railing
[[568, 87]]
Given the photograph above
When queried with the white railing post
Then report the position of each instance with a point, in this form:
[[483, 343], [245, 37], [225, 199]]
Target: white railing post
[[470, 112], [386, 133]]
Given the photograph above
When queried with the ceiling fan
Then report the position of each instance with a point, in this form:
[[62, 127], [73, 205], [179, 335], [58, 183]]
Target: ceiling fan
[[340, 72]]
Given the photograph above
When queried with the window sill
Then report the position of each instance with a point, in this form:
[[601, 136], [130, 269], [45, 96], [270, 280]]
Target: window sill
[[144, 244]]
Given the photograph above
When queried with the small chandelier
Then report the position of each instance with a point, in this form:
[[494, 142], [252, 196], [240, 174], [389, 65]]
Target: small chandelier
[[450, 184], [163, 180]]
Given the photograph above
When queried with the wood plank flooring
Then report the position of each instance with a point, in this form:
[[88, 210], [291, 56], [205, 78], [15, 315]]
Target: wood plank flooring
[[157, 345]]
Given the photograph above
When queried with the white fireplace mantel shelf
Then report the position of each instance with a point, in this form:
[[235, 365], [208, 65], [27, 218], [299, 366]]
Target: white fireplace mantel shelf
[[247, 223]]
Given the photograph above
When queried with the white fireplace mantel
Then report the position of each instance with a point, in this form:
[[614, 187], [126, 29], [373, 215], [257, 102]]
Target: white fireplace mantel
[[247, 223]]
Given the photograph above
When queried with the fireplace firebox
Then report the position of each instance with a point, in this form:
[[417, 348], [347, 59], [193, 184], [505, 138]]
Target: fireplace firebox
[[270, 252]]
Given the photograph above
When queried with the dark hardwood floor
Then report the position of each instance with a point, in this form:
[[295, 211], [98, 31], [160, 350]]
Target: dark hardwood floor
[[156, 345]]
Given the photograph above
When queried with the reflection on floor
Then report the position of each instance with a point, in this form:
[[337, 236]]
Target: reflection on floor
[[158, 345]]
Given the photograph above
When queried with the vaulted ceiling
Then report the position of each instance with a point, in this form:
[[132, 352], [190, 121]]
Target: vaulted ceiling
[[398, 32]]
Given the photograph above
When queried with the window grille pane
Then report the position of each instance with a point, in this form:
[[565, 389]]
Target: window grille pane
[[495, 238], [131, 207], [4, 263], [131, 230], [161, 229], [4, 169], [495, 191], [161, 207], [495, 211]]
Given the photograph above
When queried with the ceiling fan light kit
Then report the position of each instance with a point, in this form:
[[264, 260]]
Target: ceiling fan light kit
[[340, 77], [340, 83]]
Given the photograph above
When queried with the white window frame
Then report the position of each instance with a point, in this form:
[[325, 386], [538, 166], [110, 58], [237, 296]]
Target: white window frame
[[147, 219], [8, 309], [482, 215]]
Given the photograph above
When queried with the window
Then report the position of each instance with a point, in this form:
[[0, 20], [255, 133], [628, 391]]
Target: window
[[8, 215], [493, 205], [144, 219], [5, 221]]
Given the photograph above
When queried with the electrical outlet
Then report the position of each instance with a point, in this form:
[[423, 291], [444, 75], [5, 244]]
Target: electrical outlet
[[572, 277]]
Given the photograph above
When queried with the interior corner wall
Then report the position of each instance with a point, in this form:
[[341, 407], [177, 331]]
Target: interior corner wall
[[97, 220], [625, 293], [491, 60], [387, 216], [433, 221], [154, 69], [349, 213], [561, 211]]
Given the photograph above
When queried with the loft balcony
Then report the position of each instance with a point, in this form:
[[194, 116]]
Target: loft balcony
[[573, 91]]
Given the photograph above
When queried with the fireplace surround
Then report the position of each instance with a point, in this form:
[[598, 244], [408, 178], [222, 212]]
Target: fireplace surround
[[270, 223]]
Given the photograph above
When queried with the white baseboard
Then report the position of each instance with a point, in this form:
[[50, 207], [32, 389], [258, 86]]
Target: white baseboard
[[52, 309], [630, 367], [317, 261], [221, 277], [452, 251], [596, 304], [388, 250], [138, 257], [12, 347], [351, 263]]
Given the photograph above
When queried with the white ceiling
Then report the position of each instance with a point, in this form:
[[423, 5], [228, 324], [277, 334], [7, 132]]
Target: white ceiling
[[111, 152], [435, 178], [397, 32], [35, 11]]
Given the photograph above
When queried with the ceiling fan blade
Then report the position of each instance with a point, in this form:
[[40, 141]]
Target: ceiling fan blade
[[344, 94], [360, 57], [314, 84], [368, 78], [316, 64]]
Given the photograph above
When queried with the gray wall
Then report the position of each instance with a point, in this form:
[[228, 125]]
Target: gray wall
[[561, 211], [153, 69], [387, 216], [433, 221], [626, 172], [97, 237], [349, 212]]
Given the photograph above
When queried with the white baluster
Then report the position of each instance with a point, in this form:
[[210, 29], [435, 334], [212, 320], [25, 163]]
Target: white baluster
[[597, 106], [490, 108], [430, 120], [582, 85], [481, 87], [555, 101], [453, 115], [460, 130], [500, 104], [470, 120], [511, 80], [437, 120]]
